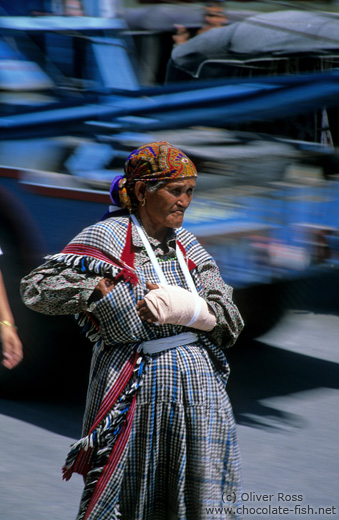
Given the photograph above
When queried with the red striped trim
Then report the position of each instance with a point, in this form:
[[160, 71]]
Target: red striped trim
[[81, 464], [92, 320], [116, 390], [84, 250], [127, 273], [190, 264], [113, 460], [128, 252]]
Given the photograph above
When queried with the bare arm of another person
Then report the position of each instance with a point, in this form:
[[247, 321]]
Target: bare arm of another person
[[11, 344]]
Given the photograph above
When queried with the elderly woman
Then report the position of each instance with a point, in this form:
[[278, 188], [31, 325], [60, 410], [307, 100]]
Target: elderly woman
[[159, 438]]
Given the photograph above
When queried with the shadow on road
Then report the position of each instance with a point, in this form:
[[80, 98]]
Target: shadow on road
[[61, 418], [260, 371]]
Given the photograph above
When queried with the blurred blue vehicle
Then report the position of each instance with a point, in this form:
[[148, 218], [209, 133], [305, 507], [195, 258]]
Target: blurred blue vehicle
[[266, 207]]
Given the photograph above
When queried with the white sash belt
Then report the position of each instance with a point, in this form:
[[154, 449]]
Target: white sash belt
[[158, 345]]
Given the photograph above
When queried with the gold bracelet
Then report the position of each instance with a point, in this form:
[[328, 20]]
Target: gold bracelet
[[5, 322]]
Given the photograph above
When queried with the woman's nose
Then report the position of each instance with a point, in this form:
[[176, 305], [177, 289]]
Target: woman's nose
[[184, 200]]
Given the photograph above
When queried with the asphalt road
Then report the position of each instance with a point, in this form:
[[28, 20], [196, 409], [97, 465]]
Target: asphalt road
[[285, 394]]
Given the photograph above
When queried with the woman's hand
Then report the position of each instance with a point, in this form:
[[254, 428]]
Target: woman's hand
[[11, 347], [143, 311], [104, 287]]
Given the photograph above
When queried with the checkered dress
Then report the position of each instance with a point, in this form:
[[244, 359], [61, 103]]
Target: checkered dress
[[181, 458]]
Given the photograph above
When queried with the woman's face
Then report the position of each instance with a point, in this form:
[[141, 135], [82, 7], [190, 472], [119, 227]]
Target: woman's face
[[165, 207]]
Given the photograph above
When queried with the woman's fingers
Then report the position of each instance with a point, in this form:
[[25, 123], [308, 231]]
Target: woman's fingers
[[151, 286], [11, 348], [144, 313], [104, 287], [108, 284]]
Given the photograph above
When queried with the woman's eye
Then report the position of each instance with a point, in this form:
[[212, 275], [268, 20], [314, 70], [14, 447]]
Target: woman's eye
[[177, 192]]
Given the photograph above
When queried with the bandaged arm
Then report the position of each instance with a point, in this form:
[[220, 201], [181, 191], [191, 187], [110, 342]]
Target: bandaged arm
[[177, 306]]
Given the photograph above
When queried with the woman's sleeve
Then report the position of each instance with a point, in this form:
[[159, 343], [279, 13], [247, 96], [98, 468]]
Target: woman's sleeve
[[219, 296], [53, 289], [57, 289]]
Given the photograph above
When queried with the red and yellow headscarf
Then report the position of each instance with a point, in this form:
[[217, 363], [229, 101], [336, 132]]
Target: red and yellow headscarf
[[151, 162]]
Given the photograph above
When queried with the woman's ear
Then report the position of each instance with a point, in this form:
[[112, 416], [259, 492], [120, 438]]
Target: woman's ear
[[139, 190]]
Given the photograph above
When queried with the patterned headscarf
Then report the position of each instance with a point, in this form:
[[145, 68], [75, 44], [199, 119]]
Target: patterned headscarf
[[152, 162]]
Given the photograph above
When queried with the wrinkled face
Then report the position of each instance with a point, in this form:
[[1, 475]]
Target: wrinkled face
[[165, 207]]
